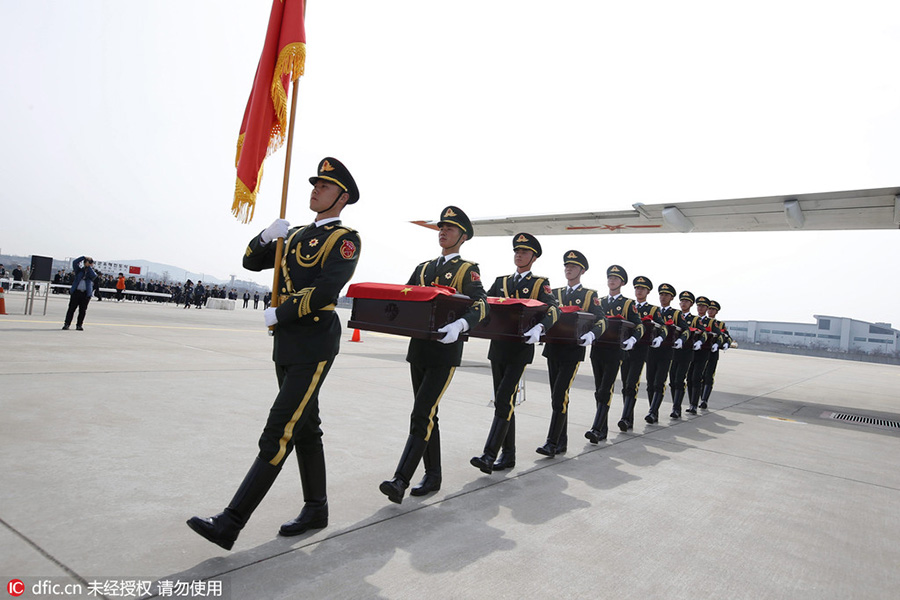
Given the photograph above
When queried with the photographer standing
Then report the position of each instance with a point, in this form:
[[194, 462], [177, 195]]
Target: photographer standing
[[81, 290]]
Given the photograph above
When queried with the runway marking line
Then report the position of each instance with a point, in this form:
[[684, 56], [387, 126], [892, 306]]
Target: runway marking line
[[784, 419]]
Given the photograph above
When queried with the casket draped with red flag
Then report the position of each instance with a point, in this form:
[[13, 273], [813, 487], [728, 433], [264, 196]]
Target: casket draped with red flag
[[408, 310], [509, 318], [265, 118]]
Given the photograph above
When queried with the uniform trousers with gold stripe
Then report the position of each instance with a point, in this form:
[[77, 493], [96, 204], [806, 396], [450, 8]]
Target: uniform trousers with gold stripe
[[678, 370], [605, 362], [429, 385], [562, 374], [506, 377], [695, 373], [709, 373], [294, 417], [632, 367], [658, 361]]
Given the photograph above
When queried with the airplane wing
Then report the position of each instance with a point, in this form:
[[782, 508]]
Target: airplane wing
[[855, 209]]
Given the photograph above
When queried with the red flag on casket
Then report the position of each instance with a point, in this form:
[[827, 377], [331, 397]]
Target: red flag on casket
[[264, 126], [392, 291]]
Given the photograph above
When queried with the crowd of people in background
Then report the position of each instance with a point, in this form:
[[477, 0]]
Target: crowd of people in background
[[119, 288]]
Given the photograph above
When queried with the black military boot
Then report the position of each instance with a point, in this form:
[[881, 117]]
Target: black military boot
[[627, 420], [314, 514], [704, 395], [655, 403], [409, 460], [599, 428], [694, 398], [223, 528], [497, 434], [432, 459], [557, 422], [677, 397], [507, 458]]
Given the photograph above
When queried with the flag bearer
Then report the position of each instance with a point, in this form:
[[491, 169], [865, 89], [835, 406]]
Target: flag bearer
[[319, 260]]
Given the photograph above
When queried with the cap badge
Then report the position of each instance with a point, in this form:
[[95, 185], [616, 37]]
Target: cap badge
[[522, 238], [449, 213], [326, 166], [571, 255]]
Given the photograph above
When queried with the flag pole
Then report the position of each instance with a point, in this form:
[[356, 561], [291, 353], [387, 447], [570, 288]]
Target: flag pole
[[279, 249]]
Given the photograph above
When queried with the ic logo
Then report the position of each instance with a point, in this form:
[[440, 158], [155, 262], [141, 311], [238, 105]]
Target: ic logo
[[15, 587]]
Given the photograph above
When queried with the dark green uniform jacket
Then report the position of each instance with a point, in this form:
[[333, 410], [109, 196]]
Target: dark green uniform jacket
[[318, 262], [466, 279]]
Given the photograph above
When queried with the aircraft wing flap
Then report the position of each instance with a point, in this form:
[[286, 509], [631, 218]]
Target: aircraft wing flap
[[855, 209]]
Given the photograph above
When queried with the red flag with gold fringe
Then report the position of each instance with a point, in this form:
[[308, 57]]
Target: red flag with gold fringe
[[265, 118]]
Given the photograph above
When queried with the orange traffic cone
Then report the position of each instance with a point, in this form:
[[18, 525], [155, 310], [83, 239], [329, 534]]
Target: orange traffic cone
[[355, 337], [2, 303]]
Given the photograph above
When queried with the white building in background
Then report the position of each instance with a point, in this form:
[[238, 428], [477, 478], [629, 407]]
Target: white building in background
[[836, 334]]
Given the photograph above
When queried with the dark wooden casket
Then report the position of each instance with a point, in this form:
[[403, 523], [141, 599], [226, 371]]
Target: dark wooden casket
[[408, 310], [711, 338], [617, 331], [696, 336], [571, 325], [509, 318], [651, 330], [674, 333]]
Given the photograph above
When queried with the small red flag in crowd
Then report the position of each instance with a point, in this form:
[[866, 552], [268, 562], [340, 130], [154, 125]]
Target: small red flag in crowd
[[134, 270], [264, 126]]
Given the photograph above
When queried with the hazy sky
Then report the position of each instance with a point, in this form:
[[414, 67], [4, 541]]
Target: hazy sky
[[120, 118]]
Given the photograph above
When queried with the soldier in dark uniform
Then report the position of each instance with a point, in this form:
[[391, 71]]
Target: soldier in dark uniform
[[724, 341], [684, 356], [432, 363], [318, 261], [659, 359], [605, 360], [701, 356], [563, 360], [633, 364], [508, 359]]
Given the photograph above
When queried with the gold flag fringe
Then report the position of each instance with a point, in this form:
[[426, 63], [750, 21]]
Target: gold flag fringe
[[244, 202], [291, 61]]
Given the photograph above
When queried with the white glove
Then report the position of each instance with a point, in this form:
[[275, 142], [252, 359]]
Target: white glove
[[270, 316], [725, 346], [697, 344], [678, 344], [715, 348], [533, 335], [452, 330], [657, 342], [629, 343], [587, 339], [278, 229]]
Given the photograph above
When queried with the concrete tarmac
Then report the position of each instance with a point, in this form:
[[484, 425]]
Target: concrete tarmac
[[113, 436]]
